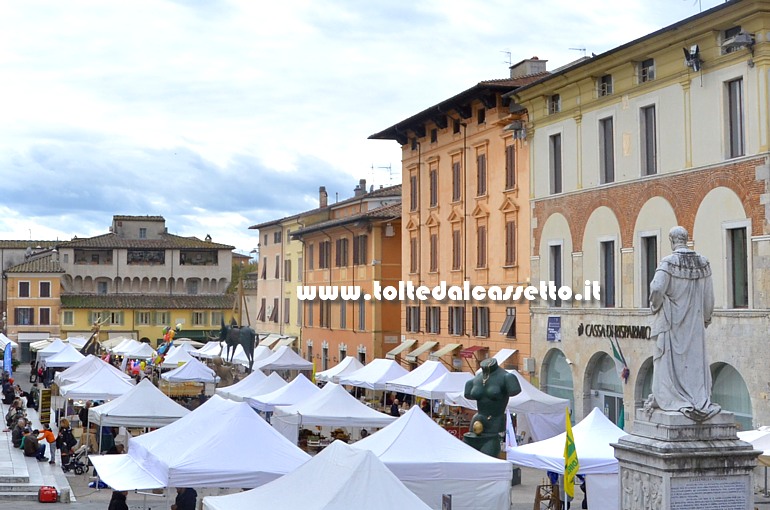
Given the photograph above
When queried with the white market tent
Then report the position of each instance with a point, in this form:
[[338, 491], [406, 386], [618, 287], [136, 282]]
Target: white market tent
[[425, 373], [65, 358], [252, 380], [126, 347], [347, 366], [760, 440], [375, 374], [50, 350], [100, 383], [144, 405], [333, 406], [192, 371], [447, 383], [78, 342], [188, 344], [538, 414], [40, 344], [110, 343], [431, 462], [83, 369], [198, 450], [239, 356], [141, 351], [283, 359], [4, 340], [338, 478], [246, 388], [210, 350], [296, 391], [175, 358], [593, 438]]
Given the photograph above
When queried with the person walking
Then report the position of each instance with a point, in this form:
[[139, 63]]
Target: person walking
[[394, 409], [186, 499]]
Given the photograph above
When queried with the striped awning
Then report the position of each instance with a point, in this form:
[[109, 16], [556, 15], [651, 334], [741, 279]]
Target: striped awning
[[427, 346], [448, 348], [406, 344]]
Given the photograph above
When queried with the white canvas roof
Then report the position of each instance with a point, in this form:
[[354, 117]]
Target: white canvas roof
[[593, 436], [530, 400], [239, 356], [100, 383], [760, 440], [347, 366], [202, 450], [333, 406], [84, 368], [40, 345], [141, 351], [192, 371], [449, 382], [338, 478], [283, 359], [51, 349], [4, 340], [64, 358], [142, 406], [78, 342], [126, 346], [375, 374], [250, 381], [176, 357], [296, 391], [210, 350], [425, 373], [246, 388], [430, 461]]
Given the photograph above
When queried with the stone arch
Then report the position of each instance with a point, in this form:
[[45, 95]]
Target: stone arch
[[602, 223]]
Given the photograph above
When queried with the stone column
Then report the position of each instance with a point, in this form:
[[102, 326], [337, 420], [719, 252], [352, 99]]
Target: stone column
[[672, 462]]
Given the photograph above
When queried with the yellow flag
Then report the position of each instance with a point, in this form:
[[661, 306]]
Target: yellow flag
[[571, 464], [312, 379]]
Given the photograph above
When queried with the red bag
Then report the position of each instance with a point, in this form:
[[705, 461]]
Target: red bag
[[48, 494]]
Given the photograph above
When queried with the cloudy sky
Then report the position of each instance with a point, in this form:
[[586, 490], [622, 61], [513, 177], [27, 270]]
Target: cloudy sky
[[220, 114]]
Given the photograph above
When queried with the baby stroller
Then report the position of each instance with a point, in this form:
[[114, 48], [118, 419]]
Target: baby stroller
[[77, 461]]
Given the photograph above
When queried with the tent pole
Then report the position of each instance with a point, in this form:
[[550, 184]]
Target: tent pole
[[765, 481]]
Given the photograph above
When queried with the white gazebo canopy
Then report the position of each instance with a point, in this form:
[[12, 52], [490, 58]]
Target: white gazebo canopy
[[65, 358], [425, 373], [101, 383], [210, 350], [141, 351], [347, 366], [333, 406], [375, 374], [431, 462], [4, 340], [192, 371], [84, 368], [202, 450], [338, 478], [126, 347], [254, 385], [447, 383], [176, 357], [144, 405], [283, 359], [50, 350], [296, 391], [78, 342]]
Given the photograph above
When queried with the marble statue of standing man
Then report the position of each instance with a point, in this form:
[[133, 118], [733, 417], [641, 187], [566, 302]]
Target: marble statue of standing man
[[682, 300]]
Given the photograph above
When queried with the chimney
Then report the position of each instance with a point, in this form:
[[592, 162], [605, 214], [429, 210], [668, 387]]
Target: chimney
[[527, 67], [323, 197], [360, 189]]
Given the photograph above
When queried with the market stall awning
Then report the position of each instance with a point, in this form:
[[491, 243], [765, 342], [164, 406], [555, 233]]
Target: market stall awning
[[471, 351], [427, 346], [503, 354], [286, 341], [448, 348], [406, 344], [270, 340]]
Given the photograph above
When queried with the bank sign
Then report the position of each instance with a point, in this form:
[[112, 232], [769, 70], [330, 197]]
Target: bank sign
[[614, 331]]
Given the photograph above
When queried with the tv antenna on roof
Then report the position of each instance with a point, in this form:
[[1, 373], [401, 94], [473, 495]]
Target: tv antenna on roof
[[508, 54], [580, 49]]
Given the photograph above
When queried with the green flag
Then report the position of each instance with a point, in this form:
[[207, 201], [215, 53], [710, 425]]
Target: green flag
[[571, 464]]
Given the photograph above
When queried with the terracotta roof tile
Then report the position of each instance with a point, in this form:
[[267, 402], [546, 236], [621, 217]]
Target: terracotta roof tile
[[167, 241], [147, 302], [45, 264]]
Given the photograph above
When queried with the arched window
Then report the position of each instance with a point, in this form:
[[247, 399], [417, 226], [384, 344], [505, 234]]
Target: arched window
[[607, 388], [729, 391], [558, 377]]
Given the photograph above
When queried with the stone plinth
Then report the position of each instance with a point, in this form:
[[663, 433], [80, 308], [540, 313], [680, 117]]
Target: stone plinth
[[670, 461]]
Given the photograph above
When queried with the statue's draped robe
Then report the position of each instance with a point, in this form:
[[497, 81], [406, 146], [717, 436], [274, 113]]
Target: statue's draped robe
[[682, 299]]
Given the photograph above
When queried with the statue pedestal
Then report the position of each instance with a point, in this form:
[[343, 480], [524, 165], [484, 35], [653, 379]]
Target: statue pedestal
[[672, 462]]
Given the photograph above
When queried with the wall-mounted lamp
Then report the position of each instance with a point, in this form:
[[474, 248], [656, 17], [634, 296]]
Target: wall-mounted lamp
[[519, 131], [739, 41], [692, 58]]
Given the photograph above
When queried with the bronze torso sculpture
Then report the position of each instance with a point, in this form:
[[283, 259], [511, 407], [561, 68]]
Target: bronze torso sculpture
[[491, 389]]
